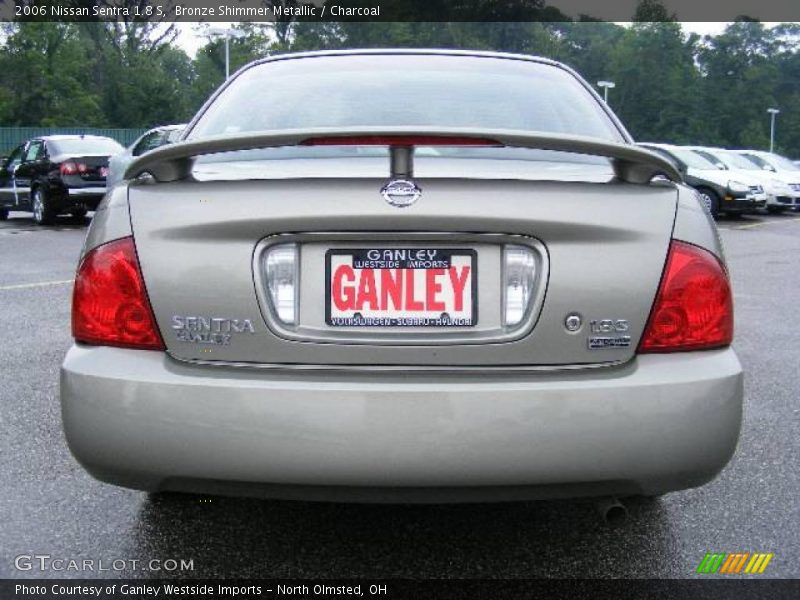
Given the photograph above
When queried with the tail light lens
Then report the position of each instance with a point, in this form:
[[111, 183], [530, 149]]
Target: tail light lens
[[109, 303], [68, 168], [281, 269], [694, 306], [519, 281], [73, 168]]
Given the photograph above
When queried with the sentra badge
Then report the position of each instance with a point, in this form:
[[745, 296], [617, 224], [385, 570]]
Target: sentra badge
[[209, 330]]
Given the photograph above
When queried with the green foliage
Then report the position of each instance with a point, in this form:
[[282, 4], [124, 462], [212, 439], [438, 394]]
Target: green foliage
[[209, 64], [44, 77], [657, 84], [670, 86], [651, 11]]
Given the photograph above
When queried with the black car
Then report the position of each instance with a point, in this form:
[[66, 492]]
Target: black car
[[57, 174]]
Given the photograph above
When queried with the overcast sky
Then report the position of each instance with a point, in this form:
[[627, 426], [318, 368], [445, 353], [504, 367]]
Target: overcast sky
[[191, 41]]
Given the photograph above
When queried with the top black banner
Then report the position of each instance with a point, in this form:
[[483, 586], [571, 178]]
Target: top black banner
[[399, 10]]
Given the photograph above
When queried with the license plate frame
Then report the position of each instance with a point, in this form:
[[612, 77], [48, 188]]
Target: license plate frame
[[399, 322]]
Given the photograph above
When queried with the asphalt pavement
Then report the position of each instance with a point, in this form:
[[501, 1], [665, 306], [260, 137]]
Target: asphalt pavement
[[50, 506]]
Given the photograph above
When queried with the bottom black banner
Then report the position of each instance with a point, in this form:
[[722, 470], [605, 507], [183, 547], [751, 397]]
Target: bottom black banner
[[394, 589]]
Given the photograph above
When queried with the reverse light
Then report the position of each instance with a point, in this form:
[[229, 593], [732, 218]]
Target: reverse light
[[281, 264], [110, 306], [693, 309], [519, 280]]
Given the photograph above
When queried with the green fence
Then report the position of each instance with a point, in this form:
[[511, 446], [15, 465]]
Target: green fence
[[11, 137]]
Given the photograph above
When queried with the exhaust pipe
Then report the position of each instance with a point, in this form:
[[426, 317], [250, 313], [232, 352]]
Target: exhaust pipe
[[612, 511]]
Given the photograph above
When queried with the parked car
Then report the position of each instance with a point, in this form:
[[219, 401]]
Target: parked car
[[292, 304], [719, 192], [783, 168], [150, 140], [56, 174], [777, 190]]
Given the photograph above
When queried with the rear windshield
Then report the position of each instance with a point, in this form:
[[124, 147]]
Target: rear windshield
[[77, 146], [406, 90]]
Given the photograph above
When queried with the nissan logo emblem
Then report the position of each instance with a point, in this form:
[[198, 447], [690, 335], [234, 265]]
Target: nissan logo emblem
[[401, 192]]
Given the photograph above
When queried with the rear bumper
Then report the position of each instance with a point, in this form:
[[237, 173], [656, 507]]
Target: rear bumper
[[89, 197], [660, 423], [86, 191], [66, 198]]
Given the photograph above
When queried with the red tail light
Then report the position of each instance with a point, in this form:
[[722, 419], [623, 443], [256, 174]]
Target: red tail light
[[109, 303], [694, 306], [73, 168], [68, 168]]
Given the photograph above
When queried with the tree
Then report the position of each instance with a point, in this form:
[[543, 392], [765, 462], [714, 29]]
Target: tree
[[740, 82], [670, 87], [209, 64], [652, 11], [587, 46], [657, 83], [46, 76]]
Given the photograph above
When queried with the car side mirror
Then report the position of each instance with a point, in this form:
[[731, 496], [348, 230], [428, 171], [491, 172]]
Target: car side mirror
[[768, 168]]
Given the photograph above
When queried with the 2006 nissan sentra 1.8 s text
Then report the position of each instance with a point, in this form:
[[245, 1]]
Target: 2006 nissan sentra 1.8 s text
[[403, 276]]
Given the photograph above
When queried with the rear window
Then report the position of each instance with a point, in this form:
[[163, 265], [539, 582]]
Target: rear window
[[87, 146], [737, 161], [406, 90], [692, 159]]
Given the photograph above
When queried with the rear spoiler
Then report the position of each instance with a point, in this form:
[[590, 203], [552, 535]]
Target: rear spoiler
[[174, 162]]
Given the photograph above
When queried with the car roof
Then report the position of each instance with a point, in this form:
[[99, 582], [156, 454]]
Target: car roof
[[711, 149], [754, 152], [409, 52], [658, 145], [64, 137], [166, 128]]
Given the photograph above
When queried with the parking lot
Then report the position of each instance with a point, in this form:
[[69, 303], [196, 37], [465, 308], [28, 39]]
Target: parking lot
[[51, 506]]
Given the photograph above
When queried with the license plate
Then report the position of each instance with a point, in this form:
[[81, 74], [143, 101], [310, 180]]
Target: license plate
[[401, 287]]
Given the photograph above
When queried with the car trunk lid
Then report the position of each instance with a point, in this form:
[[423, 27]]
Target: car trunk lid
[[602, 248]]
